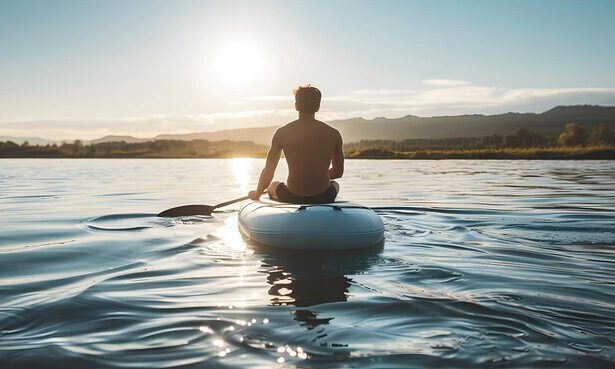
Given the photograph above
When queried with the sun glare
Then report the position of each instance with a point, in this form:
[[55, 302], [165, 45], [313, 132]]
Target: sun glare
[[241, 171], [238, 61], [230, 235]]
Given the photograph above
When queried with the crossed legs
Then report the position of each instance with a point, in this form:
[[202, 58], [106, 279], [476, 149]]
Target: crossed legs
[[272, 189]]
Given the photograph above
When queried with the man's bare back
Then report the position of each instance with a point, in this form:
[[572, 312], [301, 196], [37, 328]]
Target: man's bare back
[[314, 153], [310, 146]]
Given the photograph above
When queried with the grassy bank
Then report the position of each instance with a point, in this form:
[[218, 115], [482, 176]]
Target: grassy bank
[[230, 149], [551, 153], [149, 149]]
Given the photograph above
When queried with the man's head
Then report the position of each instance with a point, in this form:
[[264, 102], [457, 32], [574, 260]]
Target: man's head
[[307, 99]]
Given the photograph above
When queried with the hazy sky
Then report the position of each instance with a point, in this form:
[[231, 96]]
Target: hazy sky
[[87, 68]]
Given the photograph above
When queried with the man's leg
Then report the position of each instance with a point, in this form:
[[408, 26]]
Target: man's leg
[[272, 190]]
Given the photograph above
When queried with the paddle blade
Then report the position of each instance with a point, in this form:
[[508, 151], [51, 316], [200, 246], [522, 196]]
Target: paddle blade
[[187, 210]]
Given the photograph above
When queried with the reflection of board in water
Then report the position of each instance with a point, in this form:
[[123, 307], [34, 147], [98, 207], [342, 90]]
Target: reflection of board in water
[[287, 290], [312, 278]]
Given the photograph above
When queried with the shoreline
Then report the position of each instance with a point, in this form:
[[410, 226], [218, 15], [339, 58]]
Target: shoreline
[[579, 158], [550, 153], [375, 153]]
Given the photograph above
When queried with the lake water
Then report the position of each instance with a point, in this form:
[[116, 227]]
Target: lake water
[[499, 264]]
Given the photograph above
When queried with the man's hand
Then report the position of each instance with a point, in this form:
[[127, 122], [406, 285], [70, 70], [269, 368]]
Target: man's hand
[[254, 195]]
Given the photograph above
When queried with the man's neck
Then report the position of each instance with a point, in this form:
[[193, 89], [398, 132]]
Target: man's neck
[[307, 116]]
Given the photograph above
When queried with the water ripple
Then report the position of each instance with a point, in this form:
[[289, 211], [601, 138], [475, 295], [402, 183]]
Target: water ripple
[[485, 264]]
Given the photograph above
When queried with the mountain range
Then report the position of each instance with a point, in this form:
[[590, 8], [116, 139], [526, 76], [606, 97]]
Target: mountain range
[[550, 123], [30, 140]]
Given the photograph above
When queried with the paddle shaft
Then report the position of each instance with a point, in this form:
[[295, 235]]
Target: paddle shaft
[[189, 210], [231, 202]]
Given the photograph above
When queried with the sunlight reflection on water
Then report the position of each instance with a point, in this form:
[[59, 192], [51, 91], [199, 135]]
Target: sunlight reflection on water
[[241, 171], [229, 234]]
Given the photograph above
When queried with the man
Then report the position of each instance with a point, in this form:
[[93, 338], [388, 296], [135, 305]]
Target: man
[[314, 154]]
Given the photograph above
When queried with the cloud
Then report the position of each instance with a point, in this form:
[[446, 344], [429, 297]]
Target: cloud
[[268, 98], [146, 126], [437, 97], [477, 97], [383, 92], [444, 82], [468, 99]]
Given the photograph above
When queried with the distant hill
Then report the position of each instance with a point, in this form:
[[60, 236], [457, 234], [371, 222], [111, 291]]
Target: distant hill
[[549, 123], [258, 135], [116, 138], [31, 140]]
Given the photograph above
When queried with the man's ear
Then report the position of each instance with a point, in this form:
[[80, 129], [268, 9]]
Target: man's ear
[[317, 109], [296, 106]]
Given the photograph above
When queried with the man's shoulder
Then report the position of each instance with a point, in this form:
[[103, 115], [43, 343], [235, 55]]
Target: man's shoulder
[[289, 125], [285, 128], [296, 125], [330, 129]]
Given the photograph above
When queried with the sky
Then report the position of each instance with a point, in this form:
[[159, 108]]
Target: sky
[[85, 69]]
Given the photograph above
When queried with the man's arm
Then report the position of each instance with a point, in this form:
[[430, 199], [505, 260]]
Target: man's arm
[[337, 160], [273, 157]]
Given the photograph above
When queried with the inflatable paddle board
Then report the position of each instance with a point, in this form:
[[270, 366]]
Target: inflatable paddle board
[[340, 225]]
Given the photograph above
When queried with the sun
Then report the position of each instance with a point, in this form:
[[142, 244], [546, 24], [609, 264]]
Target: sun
[[238, 61]]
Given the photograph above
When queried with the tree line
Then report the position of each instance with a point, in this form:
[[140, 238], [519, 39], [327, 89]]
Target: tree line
[[573, 135], [148, 149]]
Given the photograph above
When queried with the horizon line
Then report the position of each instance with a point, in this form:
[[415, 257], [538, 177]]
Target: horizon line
[[65, 140]]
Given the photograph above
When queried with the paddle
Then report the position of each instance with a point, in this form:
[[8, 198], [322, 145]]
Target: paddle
[[189, 210]]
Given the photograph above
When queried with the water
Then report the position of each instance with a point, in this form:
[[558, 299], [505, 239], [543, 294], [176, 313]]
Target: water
[[499, 264]]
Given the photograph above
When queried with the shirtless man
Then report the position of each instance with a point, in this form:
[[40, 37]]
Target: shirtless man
[[314, 154]]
